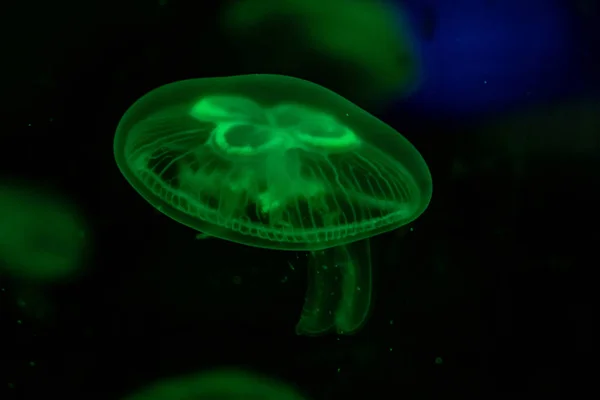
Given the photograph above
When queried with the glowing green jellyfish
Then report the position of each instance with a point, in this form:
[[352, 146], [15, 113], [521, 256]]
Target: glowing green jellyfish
[[281, 163], [371, 39], [219, 384], [41, 234]]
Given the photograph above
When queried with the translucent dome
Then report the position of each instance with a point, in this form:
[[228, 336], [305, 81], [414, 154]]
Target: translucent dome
[[270, 161], [41, 235], [232, 384]]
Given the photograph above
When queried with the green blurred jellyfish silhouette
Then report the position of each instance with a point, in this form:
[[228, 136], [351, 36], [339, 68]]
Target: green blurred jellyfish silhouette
[[230, 384], [369, 41], [281, 163], [41, 234]]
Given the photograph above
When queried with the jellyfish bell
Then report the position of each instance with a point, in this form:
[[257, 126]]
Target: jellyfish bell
[[42, 235], [365, 48], [44, 244], [223, 383], [275, 162], [280, 163]]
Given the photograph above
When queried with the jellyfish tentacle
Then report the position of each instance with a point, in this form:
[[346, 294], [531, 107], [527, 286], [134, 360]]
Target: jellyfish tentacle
[[339, 290]]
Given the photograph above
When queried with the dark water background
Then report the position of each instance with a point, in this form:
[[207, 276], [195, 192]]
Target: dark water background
[[494, 281]]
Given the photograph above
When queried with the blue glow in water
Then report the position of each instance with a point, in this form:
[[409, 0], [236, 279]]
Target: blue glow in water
[[484, 55]]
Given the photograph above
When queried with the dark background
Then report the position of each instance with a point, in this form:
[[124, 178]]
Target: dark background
[[495, 279]]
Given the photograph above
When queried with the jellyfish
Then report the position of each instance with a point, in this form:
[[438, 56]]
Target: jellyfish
[[42, 243], [281, 163], [218, 384], [367, 47], [41, 235]]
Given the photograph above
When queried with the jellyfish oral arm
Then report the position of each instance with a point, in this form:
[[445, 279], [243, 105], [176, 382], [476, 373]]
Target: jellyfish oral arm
[[339, 290]]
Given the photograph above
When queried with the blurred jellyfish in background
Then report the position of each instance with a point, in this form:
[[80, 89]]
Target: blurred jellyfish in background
[[361, 49], [486, 56], [231, 384], [42, 242]]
